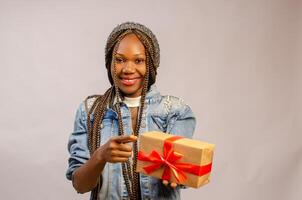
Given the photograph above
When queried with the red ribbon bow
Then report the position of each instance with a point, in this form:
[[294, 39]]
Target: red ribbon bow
[[169, 162]]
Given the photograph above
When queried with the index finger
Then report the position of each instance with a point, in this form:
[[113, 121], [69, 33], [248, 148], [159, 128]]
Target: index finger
[[125, 138]]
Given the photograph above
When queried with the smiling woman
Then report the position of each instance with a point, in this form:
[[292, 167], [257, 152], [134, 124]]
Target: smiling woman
[[130, 67], [103, 146]]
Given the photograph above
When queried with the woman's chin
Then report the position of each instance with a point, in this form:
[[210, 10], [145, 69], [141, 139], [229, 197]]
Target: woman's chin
[[132, 92]]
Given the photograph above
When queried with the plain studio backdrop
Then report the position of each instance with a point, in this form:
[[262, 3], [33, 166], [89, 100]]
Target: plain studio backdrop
[[237, 63]]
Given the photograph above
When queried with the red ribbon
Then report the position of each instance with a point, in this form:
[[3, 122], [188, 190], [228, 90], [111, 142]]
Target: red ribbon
[[170, 164]]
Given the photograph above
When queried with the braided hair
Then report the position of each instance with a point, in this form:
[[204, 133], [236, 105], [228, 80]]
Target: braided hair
[[101, 102]]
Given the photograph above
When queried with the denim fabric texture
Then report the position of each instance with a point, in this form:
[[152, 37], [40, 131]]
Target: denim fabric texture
[[167, 114]]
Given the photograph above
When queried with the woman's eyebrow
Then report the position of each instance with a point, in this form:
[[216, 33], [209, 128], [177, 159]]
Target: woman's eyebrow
[[138, 54], [119, 54]]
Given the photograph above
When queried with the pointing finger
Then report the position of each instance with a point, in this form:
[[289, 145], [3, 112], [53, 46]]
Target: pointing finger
[[125, 138]]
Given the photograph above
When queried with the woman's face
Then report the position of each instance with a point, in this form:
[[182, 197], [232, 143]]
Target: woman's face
[[130, 64]]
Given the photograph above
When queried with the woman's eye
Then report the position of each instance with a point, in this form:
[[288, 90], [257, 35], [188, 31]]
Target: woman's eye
[[139, 61], [119, 60]]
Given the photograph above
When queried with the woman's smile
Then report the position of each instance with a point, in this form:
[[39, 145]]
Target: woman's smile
[[129, 81]]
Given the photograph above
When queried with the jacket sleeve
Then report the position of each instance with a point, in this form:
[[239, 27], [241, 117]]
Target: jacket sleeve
[[77, 143], [181, 120]]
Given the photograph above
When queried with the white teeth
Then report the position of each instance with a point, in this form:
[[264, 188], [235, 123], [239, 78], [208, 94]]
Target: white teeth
[[129, 80]]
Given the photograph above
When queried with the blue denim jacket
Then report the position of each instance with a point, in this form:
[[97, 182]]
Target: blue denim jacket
[[161, 113]]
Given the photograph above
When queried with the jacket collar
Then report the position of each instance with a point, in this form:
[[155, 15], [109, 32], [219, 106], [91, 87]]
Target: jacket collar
[[153, 92]]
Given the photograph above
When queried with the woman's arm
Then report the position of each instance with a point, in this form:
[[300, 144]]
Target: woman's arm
[[85, 178], [83, 170]]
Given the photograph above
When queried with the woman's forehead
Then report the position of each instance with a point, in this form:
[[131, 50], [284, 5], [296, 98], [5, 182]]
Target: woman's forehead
[[130, 44]]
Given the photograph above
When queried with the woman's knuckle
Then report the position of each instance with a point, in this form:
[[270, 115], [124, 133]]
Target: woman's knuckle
[[111, 146]]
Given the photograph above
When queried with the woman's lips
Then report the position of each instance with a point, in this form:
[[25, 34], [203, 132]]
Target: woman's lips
[[129, 82]]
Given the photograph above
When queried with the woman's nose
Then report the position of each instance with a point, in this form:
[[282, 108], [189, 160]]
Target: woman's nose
[[128, 67]]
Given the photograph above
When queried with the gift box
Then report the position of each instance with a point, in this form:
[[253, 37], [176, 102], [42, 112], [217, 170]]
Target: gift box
[[175, 159]]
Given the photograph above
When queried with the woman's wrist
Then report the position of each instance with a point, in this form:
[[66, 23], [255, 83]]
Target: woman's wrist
[[98, 160]]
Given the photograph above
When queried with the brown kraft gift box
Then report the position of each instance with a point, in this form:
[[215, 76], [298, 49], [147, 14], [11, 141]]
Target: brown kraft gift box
[[189, 151]]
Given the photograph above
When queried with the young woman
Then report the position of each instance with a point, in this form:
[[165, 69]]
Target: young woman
[[103, 146]]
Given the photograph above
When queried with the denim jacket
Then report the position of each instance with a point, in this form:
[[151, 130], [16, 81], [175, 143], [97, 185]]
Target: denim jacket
[[161, 113]]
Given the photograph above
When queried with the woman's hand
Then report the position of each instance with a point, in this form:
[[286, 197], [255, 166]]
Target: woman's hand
[[166, 183], [115, 150]]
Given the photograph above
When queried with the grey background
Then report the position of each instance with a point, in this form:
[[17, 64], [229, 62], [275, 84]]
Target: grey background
[[237, 63]]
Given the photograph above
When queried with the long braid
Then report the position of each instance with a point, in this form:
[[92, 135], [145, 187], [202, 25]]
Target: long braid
[[89, 128], [99, 107], [95, 133], [137, 129], [141, 110], [125, 166], [98, 117]]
